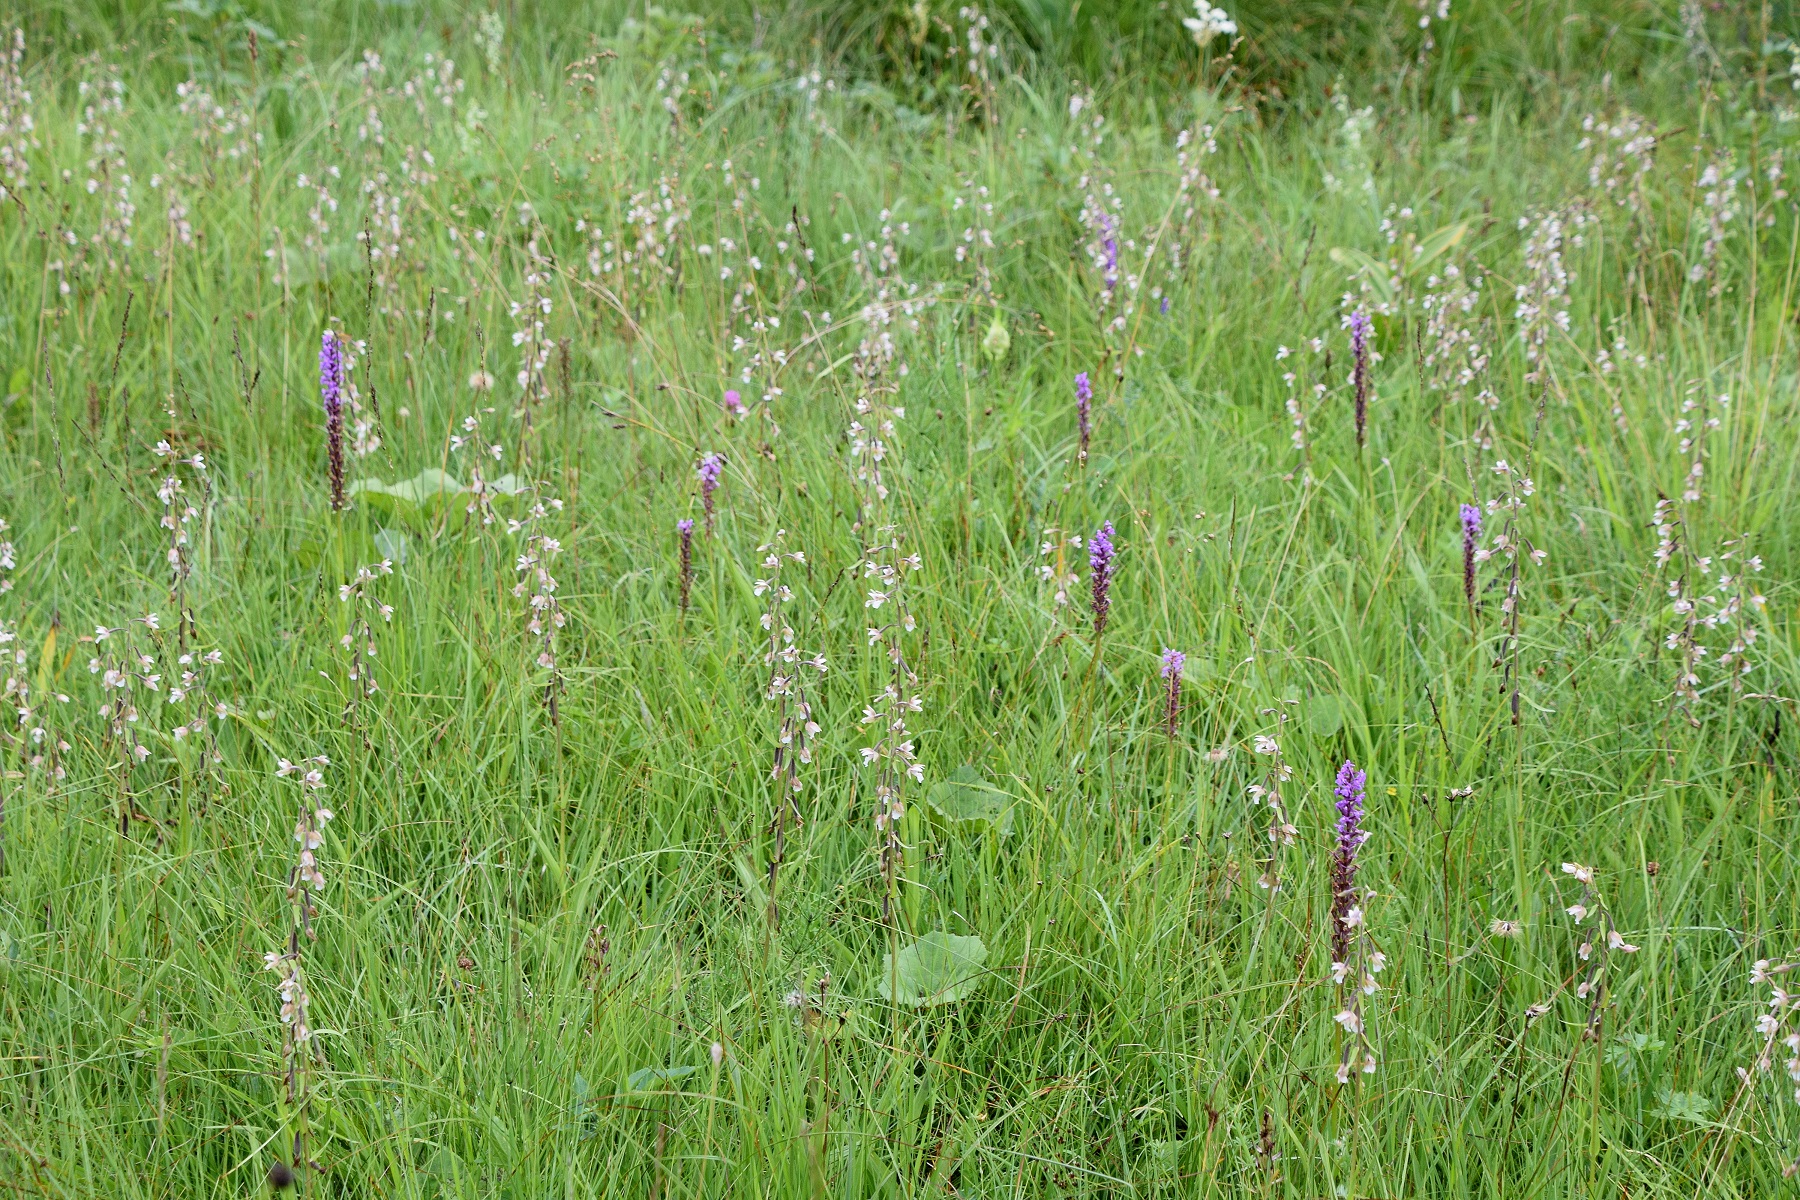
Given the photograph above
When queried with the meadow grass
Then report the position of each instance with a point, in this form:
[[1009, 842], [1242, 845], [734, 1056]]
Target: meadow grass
[[547, 958]]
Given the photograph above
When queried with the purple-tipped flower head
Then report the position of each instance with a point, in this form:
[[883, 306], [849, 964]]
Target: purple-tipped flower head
[[1471, 531], [331, 391], [1350, 837], [685, 527], [734, 402], [1172, 663], [1359, 369], [1084, 397], [711, 467], [1100, 562]]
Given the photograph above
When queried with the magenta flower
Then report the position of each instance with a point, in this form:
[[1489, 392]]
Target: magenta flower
[[734, 402]]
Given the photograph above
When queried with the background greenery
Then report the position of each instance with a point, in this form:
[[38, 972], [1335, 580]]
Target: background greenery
[[1149, 1022]]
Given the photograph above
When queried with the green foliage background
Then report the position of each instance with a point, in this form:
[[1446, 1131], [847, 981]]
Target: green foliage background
[[1148, 1020]]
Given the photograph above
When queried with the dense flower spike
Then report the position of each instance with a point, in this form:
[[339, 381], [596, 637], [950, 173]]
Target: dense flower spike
[[1173, 662], [1084, 396], [1359, 370], [711, 467], [684, 529], [1350, 837], [1471, 537], [1354, 964], [331, 391], [1100, 574]]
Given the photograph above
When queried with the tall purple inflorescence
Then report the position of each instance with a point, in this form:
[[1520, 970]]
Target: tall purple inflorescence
[[1359, 367], [1172, 663], [685, 527], [331, 391], [1350, 837], [1471, 531], [1084, 398], [1100, 561], [710, 468], [1354, 961]]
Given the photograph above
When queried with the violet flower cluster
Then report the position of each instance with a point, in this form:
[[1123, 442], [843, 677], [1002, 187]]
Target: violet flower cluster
[[1100, 564], [1354, 964], [711, 467], [331, 391], [1471, 531]]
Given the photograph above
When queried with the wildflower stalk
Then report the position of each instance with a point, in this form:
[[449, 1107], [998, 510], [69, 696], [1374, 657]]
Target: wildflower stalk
[[1084, 397], [795, 727], [1354, 963], [1359, 371], [886, 565], [1596, 950], [300, 1059], [125, 672], [544, 617], [331, 385], [1100, 577], [711, 467], [1173, 661], [358, 642], [1277, 830], [685, 529]]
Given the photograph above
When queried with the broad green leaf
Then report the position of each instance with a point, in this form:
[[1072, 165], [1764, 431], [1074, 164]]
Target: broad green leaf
[[422, 497], [967, 799], [939, 968]]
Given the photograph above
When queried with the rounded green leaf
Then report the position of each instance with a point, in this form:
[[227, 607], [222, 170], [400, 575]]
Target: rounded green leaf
[[966, 798], [939, 968]]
